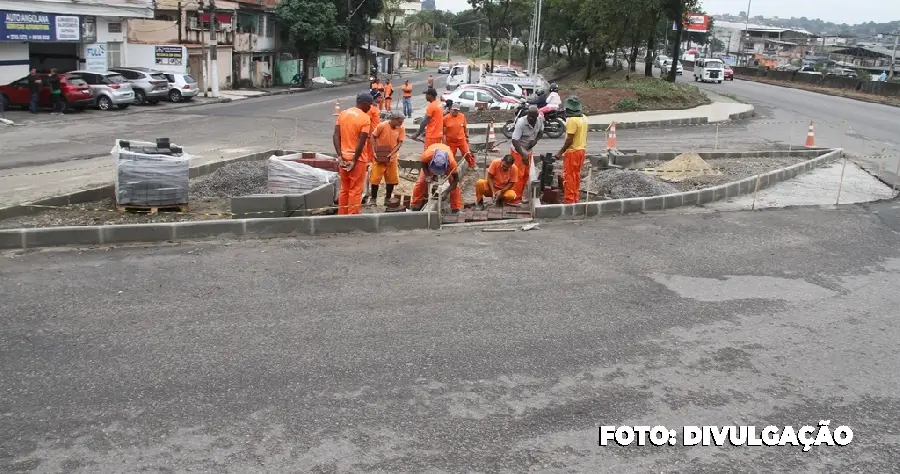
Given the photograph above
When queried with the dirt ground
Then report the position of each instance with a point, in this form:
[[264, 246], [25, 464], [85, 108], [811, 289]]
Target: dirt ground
[[599, 101]]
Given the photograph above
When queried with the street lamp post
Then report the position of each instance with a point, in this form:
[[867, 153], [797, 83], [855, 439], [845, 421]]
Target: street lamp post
[[745, 32]]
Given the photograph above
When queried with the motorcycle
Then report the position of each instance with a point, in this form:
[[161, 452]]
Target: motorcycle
[[297, 79], [554, 121]]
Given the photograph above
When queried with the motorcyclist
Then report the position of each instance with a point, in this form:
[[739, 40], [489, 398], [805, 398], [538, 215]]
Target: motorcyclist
[[540, 99], [553, 100]]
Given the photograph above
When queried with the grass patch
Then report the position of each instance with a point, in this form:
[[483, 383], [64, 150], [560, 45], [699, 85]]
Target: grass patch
[[655, 94]]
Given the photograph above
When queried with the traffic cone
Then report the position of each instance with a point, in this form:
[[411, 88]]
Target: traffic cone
[[611, 138], [337, 108], [492, 139], [811, 136]]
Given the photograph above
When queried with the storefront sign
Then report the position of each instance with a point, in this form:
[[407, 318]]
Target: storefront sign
[[169, 56], [89, 29], [39, 27], [95, 57]]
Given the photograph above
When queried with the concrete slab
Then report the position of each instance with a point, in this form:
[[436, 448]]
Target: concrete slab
[[138, 233], [279, 226], [226, 229], [62, 236]]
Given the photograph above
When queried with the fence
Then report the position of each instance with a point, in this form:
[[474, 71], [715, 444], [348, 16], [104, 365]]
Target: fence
[[885, 89]]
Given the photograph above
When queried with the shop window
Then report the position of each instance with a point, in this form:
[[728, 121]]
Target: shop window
[[114, 27], [114, 54]]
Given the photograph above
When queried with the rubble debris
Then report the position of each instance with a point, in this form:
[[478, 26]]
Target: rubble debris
[[242, 178], [618, 184]]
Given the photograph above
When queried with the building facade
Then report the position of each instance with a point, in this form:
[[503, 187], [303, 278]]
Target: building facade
[[764, 45], [64, 35]]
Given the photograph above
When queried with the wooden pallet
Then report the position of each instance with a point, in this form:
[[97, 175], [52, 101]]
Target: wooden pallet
[[151, 210]]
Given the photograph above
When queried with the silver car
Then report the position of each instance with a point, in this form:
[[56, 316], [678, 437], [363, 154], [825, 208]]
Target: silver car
[[109, 89], [149, 86], [181, 86]]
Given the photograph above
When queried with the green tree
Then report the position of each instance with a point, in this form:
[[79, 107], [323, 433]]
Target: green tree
[[496, 13], [311, 24], [391, 22]]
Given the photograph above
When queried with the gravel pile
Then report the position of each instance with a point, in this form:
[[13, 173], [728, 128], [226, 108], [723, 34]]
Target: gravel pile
[[237, 179], [732, 169], [618, 184]]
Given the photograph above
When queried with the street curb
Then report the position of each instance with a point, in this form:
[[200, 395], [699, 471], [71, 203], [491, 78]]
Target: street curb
[[619, 207], [99, 193], [787, 85], [603, 127], [226, 228]]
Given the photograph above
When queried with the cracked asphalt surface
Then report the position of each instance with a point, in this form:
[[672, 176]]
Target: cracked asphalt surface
[[460, 351]]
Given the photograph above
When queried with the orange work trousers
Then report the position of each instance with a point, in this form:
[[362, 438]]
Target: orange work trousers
[[432, 141], [483, 190], [463, 146], [353, 183], [572, 162], [421, 187], [524, 174], [387, 104]]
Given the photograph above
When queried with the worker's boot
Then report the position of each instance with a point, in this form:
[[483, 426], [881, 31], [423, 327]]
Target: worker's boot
[[388, 192], [373, 195], [479, 206]]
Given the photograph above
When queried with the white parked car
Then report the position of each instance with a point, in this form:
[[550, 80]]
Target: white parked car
[[661, 61], [513, 89], [181, 87], [466, 97]]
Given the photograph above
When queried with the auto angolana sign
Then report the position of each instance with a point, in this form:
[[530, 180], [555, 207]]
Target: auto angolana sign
[[39, 27]]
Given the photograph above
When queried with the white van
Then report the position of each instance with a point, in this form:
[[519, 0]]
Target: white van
[[459, 75], [709, 70]]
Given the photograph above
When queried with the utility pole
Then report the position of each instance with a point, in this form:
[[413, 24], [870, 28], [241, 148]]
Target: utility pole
[[204, 54], [180, 22], [479, 38], [894, 55], [449, 31], [745, 32], [213, 50]]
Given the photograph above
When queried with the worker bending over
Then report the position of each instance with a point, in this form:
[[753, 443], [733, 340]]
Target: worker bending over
[[500, 183], [527, 132], [456, 134], [387, 139], [437, 161], [350, 140], [573, 150], [433, 122]]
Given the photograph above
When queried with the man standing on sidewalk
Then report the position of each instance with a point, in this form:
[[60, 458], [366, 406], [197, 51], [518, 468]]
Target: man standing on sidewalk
[[350, 139], [433, 122], [56, 92], [388, 94], [407, 99], [528, 130], [34, 89], [573, 150]]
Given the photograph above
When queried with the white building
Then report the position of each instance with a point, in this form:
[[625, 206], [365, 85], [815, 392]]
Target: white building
[[66, 35]]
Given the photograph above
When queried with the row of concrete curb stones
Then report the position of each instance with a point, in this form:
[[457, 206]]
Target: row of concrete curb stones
[[618, 207], [603, 127], [429, 218]]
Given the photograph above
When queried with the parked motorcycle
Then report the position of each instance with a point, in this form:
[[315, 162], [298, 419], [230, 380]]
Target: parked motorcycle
[[554, 121]]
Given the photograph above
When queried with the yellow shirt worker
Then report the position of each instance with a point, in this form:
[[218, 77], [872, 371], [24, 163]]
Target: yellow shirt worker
[[573, 150]]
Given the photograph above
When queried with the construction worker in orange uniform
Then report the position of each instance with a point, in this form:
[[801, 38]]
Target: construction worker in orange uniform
[[456, 134], [388, 94], [437, 161], [376, 85], [573, 150], [528, 131], [433, 122], [374, 119], [500, 183], [350, 140], [407, 99], [387, 138]]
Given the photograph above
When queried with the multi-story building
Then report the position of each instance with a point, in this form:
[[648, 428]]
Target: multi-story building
[[65, 35], [764, 45], [245, 32]]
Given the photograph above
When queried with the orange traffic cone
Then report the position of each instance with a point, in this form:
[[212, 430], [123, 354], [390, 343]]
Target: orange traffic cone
[[492, 138], [611, 138], [811, 136], [337, 108]]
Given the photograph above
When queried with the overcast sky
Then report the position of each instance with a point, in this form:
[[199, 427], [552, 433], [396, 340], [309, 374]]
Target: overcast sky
[[838, 11]]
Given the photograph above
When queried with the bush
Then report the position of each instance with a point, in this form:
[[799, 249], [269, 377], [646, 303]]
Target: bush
[[654, 93], [628, 104]]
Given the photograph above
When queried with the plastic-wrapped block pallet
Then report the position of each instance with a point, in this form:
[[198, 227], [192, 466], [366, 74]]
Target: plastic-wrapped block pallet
[[151, 174], [289, 175]]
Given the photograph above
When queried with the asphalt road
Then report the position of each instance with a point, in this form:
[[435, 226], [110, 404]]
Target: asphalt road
[[303, 117], [458, 352]]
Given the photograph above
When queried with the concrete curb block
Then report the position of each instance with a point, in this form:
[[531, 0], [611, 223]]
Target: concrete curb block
[[634, 160], [108, 190], [618, 207], [230, 228]]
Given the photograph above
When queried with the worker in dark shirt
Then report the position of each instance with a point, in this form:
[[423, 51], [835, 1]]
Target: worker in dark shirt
[[56, 92], [34, 87]]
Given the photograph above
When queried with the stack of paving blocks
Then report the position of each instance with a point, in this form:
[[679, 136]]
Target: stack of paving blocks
[[489, 214], [151, 174]]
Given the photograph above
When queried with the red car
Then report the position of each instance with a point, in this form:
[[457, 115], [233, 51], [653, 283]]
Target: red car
[[76, 93], [729, 74]]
